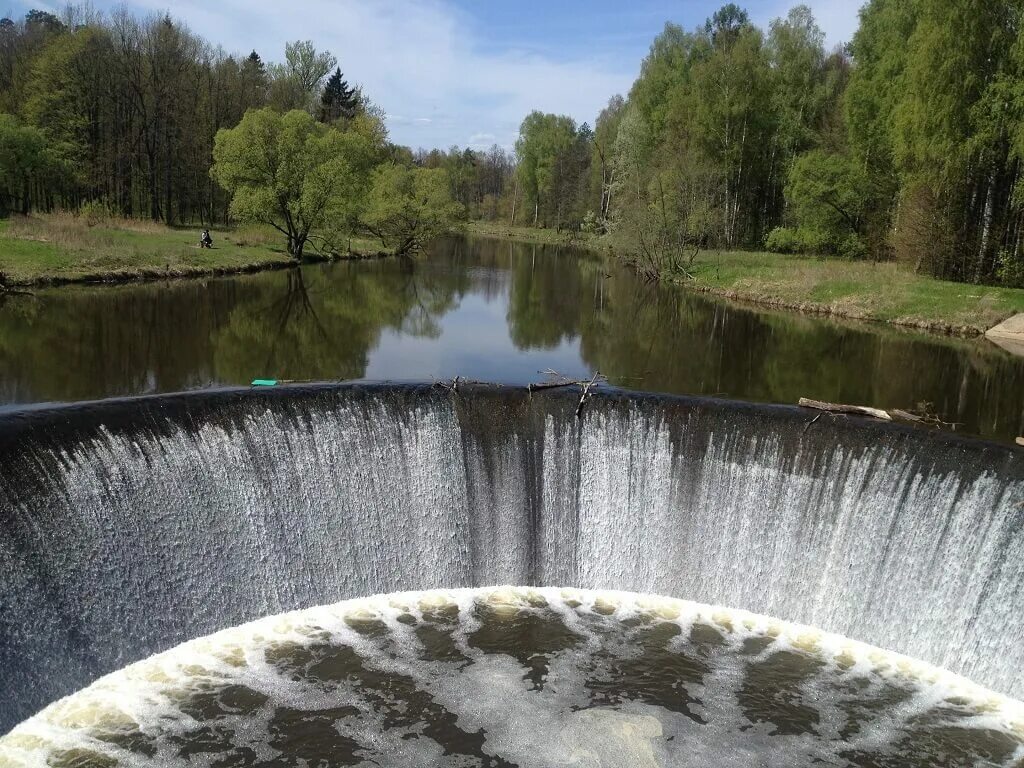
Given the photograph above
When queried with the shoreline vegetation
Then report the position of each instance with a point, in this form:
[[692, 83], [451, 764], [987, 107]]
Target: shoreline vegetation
[[735, 139], [52, 250], [856, 290], [49, 250]]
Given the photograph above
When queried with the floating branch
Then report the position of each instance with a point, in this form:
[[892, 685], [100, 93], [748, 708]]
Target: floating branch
[[586, 392], [458, 381], [923, 415], [811, 423], [564, 381], [551, 385], [453, 387], [902, 415], [857, 410]]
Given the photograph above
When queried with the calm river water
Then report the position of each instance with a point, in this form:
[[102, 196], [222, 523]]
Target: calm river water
[[486, 310]]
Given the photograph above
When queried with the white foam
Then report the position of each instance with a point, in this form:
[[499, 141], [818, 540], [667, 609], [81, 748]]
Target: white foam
[[556, 725]]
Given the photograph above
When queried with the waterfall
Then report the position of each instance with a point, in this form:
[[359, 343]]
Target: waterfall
[[129, 526]]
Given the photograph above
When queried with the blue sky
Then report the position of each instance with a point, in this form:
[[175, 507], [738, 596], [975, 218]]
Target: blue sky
[[466, 72]]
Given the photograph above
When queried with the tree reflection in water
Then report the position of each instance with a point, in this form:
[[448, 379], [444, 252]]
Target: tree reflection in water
[[485, 309]]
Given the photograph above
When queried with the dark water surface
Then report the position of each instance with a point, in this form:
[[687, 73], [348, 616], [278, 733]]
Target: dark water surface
[[485, 310]]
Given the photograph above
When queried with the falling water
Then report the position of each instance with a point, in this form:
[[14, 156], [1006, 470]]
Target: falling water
[[129, 527]]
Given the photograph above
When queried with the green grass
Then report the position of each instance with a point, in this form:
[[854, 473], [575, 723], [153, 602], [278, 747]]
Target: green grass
[[530, 234], [856, 289], [64, 248], [869, 290]]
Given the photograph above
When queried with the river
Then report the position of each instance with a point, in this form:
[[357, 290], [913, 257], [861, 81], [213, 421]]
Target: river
[[486, 310]]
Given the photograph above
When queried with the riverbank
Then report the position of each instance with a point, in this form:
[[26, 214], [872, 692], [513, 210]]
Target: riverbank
[[54, 250], [860, 290]]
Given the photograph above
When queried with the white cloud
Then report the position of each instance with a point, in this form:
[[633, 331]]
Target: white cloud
[[414, 58], [837, 18], [421, 61], [481, 140]]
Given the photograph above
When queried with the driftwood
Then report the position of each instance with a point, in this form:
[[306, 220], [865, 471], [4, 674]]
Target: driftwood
[[811, 423], [586, 392], [899, 413], [453, 387], [858, 410], [560, 380], [551, 385], [924, 415]]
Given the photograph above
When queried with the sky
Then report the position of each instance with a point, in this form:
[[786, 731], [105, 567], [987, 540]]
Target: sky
[[466, 72]]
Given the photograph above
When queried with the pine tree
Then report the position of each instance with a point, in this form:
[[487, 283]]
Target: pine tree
[[254, 81], [338, 99]]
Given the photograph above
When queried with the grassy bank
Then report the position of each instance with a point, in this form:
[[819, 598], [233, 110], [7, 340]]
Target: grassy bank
[[534, 235], [855, 289], [59, 249]]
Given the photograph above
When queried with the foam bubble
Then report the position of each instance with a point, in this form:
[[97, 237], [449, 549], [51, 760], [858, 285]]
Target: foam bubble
[[531, 677]]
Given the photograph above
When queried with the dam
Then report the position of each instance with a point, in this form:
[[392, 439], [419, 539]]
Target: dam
[[131, 526]]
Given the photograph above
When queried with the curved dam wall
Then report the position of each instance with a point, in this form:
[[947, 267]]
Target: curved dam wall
[[127, 527]]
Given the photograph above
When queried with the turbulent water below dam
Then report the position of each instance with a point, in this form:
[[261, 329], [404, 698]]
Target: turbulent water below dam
[[128, 527], [524, 677]]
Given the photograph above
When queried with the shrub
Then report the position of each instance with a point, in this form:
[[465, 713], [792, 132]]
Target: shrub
[[781, 240], [590, 224], [853, 247], [813, 242], [806, 241], [94, 212], [1010, 269]]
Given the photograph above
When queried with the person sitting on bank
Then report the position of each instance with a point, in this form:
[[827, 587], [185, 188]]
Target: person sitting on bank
[[206, 241]]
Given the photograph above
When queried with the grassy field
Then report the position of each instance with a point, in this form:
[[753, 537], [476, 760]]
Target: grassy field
[[63, 248], [855, 289], [532, 235], [866, 290]]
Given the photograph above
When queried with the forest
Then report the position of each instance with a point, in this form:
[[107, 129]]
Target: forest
[[117, 116], [905, 144]]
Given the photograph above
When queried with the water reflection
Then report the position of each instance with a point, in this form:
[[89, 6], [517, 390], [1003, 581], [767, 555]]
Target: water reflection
[[485, 310]]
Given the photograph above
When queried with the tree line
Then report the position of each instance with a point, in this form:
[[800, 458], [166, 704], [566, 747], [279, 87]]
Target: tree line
[[143, 118], [124, 110], [905, 144]]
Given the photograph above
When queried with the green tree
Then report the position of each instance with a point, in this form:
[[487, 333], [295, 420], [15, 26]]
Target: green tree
[[338, 100], [408, 207], [546, 147], [932, 108], [253, 81], [299, 176], [829, 193], [296, 83], [28, 164], [606, 130]]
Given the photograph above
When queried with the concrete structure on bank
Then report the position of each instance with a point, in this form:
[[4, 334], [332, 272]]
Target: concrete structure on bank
[[1009, 334]]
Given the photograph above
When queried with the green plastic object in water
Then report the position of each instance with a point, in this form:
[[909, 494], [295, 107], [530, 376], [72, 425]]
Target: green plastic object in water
[[264, 383]]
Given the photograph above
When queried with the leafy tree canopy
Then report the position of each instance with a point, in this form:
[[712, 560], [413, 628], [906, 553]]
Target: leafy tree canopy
[[305, 179], [410, 206]]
